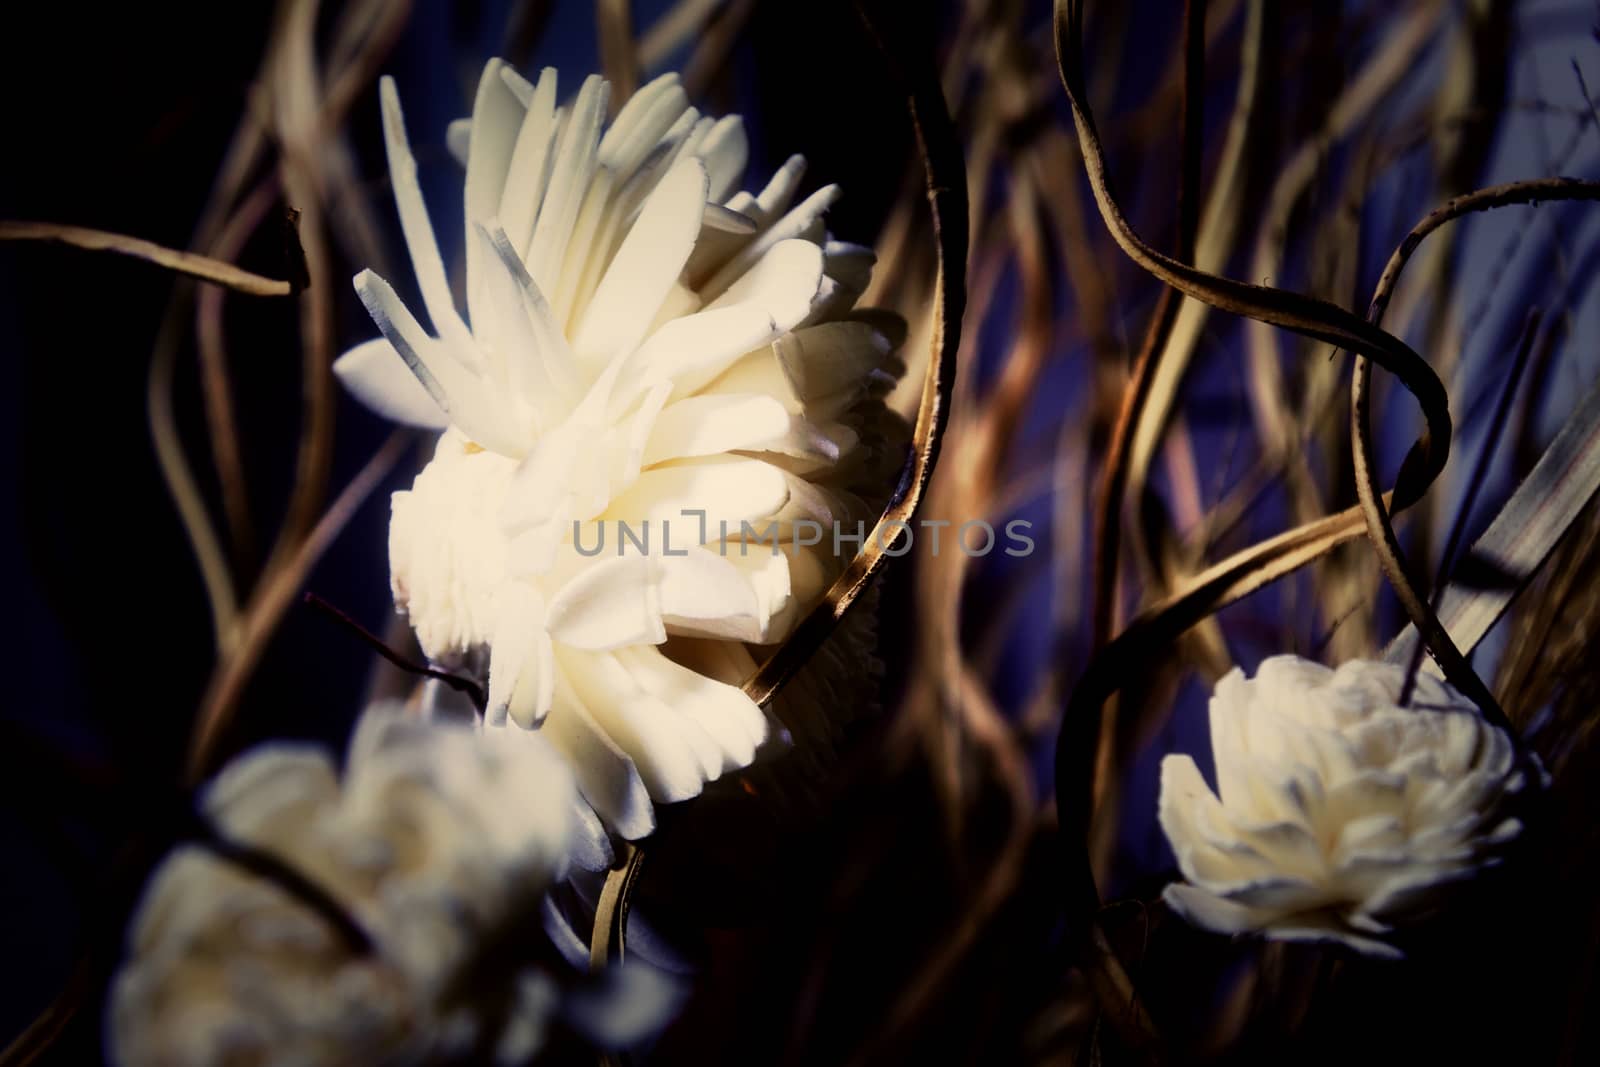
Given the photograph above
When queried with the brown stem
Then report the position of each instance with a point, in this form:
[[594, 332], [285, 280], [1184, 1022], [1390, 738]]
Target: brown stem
[[189, 263]]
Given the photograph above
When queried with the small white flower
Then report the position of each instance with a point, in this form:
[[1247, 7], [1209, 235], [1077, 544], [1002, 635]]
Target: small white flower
[[436, 841], [645, 345], [1341, 813]]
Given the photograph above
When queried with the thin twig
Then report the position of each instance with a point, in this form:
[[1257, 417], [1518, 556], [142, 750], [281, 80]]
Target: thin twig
[[1457, 669], [675, 26], [619, 57], [204, 268], [1480, 472], [285, 876], [47, 1028], [216, 387], [710, 56], [1114, 472], [274, 596], [461, 684], [215, 575]]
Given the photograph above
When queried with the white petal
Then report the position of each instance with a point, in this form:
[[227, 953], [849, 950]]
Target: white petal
[[725, 150], [725, 661], [581, 246], [1210, 912], [521, 88], [457, 390], [1278, 865], [497, 115], [521, 663], [649, 718], [813, 439], [606, 775], [667, 760], [662, 157], [706, 425], [374, 372], [770, 299], [546, 373], [528, 171], [1372, 834], [414, 222], [1315, 928], [727, 220], [635, 435], [641, 124], [518, 358], [798, 224], [540, 501], [832, 365], [849, 264], [458, 139], [735, 721], [697, 136], [1410, 892], [570, 173], [848, 272], [1188, 813], [783, 282], [704, 594], [780, 190], [809, 448], [698, 346], [1280, 896], [646, 265], [728, 489], [757, 372], [275, 787], [712, 254], [1228, 713], [609, 604]]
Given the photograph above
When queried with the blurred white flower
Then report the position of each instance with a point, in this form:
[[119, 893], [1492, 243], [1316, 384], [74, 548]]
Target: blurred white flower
[[644, 344], [439, 842], [1341, 813]]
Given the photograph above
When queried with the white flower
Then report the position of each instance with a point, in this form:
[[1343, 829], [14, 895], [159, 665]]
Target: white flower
[[644, 345], [1341, 813], [437, 841]]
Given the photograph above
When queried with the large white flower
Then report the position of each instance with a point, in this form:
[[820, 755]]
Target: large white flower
[[438, 841], [645, 345], [1341, 813]]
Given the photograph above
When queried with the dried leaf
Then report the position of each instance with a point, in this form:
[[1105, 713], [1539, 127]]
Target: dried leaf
[[1525, 531]]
